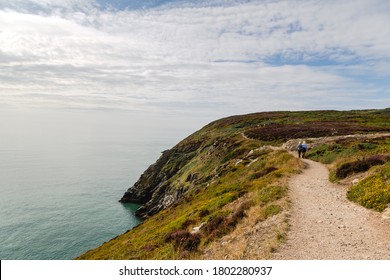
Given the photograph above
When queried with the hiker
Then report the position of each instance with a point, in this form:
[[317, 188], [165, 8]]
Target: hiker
[[299, 148], [304, 149]]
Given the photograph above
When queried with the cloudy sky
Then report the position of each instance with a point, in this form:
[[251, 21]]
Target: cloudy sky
[[223, 56]]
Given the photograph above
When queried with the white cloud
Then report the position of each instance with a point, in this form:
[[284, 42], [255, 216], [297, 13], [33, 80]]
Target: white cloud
[[225, 57]]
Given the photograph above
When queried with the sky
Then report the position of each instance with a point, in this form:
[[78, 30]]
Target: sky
[[215, 58]]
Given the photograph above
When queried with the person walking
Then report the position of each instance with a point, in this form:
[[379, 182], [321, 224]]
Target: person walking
[[299, 149], [304, 149]]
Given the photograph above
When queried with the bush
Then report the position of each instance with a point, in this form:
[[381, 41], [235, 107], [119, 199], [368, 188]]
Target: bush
[[187, 223], [221, 225], [360, 165], [284, 132], [325, 153], [262, 173], [373, 192], [216, 226], [204, 213], [184, 240], [366, 146]]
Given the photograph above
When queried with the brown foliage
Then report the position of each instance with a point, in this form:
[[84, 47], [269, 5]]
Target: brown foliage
[[263, 172], [360, 165], [187, 223], [203, 213], [221, 225], [285, 132], [184, 240]]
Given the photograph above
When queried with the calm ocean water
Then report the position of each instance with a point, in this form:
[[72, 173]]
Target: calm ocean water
[[61, 175]]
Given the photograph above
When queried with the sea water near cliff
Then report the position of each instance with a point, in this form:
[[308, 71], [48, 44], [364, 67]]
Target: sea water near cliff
[[62, 174]]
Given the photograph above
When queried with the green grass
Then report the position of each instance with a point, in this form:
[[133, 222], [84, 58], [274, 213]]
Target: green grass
[[270, 210], [328, 153]]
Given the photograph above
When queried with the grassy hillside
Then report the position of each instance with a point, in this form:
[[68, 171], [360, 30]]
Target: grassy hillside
[[233, 171]]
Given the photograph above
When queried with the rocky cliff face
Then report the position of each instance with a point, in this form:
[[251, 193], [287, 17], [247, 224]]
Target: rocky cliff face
[[154, 189]]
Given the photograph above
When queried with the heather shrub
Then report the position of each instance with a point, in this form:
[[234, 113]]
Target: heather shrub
[[360, 165], [216, 227], [203, 213], [187, 223], [184, 240], [262, 173], [221, 225]]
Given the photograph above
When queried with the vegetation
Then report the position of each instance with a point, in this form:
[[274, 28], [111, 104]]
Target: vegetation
[[215, 177], [360, 165], [374, 191]]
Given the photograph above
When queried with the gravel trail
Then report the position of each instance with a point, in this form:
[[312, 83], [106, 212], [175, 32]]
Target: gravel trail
[[325, 225]]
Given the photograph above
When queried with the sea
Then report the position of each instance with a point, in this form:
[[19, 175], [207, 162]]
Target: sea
[[62, 173]]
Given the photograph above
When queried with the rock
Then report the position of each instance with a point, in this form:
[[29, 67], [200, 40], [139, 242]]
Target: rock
[[154, 190], [153, 178], [197, 229], [252, 161], [386, 214]]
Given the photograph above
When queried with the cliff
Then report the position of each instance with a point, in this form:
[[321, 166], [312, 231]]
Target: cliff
[[206, 186], [154, 189]]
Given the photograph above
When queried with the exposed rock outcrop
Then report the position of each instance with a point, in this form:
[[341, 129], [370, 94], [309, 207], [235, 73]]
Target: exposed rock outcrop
[[153, 190]]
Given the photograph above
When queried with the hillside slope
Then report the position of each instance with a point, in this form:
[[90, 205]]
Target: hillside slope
[[212, 182]]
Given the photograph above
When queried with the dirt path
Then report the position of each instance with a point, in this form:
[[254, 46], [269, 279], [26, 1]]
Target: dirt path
[[325, 225]]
